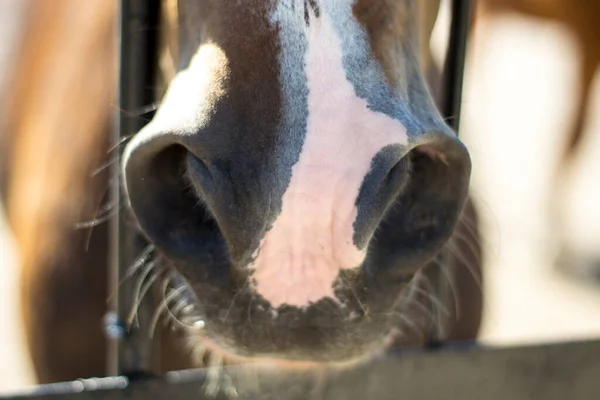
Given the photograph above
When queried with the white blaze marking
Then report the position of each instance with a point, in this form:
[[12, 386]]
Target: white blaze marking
[[312, 239]]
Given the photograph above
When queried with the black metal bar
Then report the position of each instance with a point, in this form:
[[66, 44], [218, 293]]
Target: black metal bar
[[130, 352], [548, 372], [455, 62]]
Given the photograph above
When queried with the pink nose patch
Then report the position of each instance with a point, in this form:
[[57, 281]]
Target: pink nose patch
[[312, 239]]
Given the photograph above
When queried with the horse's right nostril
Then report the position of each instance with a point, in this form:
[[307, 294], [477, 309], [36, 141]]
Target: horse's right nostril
[[199, 176], [165, 202]]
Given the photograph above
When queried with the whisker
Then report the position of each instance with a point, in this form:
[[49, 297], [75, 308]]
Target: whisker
[[197, 324], [100, 220], [423, 307], [471, 244], [104, 166], [164, 305], [434, 300], [428, 310], [141, 260], [149, 284], [149, 108], [436, 304], [139, 111], [121, 141], [179, 306], [99, 211], [161, 307], [415, 328], [452, 284], [469, 223], [141, 287], [137, 264], [461, 259]]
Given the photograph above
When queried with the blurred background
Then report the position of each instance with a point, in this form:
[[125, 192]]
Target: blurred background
[[531, 87]]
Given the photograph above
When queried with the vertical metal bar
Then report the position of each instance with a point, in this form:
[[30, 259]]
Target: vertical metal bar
[[455, 62], [130, 352], [452, 85]]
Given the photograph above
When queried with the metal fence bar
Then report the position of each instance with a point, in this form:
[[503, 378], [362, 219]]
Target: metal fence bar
[[454, 65], [131, 352], [547, 372]]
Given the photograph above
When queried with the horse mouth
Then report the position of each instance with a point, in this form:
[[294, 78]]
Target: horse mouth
[[223, 327]]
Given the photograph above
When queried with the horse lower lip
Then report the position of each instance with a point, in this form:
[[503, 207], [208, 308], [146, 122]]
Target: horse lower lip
[[280, 361]]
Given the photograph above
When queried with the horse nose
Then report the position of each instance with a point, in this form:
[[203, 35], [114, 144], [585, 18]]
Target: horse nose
[[154, 166], [428, 178]]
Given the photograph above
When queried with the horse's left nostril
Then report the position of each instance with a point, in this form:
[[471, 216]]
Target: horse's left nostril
[[425, 209]]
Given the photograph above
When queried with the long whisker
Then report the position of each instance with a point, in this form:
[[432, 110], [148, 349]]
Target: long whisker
[[450, 247], [415, 328], [422, 307], [452, 284], [145, 289], [434, 300], [471, 244], [100, 220], [140, 111], [161, 307], [121, 142], [141, 287], [104, 166], [469, 223], [164, 304], [196, 325], [179, 306], [137, 264]]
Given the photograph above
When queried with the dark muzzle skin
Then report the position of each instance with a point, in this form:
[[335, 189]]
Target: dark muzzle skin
[[298, 177]]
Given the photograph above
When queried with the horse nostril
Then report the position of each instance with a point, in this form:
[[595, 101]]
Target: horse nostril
[[166, 203], [435, 176], [199, 176]]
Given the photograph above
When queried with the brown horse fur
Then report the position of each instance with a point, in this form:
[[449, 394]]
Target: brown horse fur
[[57, 116]]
